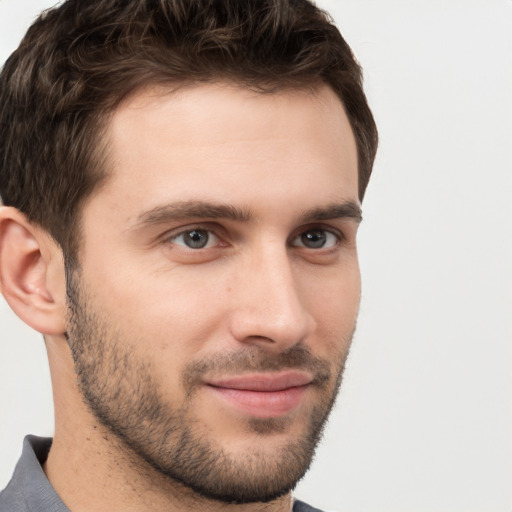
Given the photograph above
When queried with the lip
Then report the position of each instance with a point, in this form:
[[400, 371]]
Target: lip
[[264, 381], [263, 395]]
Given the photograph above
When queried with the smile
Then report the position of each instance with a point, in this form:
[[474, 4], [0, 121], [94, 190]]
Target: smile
[[263, 395]]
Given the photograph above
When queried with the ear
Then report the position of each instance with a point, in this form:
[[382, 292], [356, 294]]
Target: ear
[[32, 277]]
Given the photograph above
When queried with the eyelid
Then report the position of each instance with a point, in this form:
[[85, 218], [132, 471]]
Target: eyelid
[[211, 241], [213, 229], [340, 236], [220, 233]]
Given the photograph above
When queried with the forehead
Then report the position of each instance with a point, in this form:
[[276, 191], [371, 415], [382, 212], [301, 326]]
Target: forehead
[[205, 140], [202, 109]]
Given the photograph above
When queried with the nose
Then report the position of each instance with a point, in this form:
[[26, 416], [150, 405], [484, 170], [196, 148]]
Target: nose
[[268, 310]]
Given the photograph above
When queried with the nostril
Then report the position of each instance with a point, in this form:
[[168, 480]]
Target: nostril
[[264, 339]]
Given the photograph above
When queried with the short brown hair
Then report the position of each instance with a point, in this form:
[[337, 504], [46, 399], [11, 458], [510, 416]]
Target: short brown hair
[[78, 61]]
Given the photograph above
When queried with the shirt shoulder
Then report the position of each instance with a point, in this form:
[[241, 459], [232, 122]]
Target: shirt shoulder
[[300, 506], [12, 498], [29, 489], [11, 502]]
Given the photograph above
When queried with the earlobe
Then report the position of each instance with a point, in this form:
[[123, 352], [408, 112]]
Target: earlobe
[[31, 279]]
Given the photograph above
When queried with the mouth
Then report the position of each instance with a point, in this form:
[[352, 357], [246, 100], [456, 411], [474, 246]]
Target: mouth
[[263, 395]]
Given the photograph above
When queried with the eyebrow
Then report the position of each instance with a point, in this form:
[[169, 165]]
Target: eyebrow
[[344, 209], [184, 210], [190, 209]]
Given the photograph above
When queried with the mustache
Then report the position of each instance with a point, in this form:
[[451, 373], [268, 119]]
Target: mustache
[[297, 357]]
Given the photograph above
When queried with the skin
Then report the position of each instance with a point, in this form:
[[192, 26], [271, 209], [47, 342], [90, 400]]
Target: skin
[[286, 162]]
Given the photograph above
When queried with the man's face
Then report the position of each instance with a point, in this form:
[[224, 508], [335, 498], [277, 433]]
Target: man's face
[[219, 285]]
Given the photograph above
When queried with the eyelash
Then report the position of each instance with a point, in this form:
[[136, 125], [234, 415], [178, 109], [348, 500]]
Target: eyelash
[[196, 229], [329, 231], [325, 234]]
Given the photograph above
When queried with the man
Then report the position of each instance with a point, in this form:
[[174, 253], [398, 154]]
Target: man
[[182, 184]]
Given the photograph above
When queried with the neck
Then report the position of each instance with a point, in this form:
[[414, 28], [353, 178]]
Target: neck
[[92, 470], [94, 473]]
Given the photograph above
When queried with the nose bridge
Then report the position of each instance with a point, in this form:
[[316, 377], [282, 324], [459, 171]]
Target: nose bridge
[[269, 306]]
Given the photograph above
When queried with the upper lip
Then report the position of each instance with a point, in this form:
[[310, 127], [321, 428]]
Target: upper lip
[[263, 381]]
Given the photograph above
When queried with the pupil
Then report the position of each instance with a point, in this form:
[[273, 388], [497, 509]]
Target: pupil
[[314, 239], [196, 239]]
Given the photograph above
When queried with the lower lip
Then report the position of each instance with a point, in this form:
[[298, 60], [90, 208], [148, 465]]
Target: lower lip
[[262, 404]]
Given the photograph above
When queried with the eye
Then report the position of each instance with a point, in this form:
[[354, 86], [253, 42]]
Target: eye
[[195, 239], [316, 239]]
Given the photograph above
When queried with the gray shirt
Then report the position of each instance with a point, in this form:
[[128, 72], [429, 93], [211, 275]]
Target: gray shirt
[[30, 491]]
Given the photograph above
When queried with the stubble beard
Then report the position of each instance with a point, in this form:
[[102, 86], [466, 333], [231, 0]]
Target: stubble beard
[[122, 393]]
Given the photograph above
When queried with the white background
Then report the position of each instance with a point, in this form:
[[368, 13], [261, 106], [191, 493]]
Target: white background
[[424, 421]]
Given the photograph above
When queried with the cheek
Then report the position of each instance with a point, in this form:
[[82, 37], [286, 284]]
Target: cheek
[[334, 303], [168, 314]]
